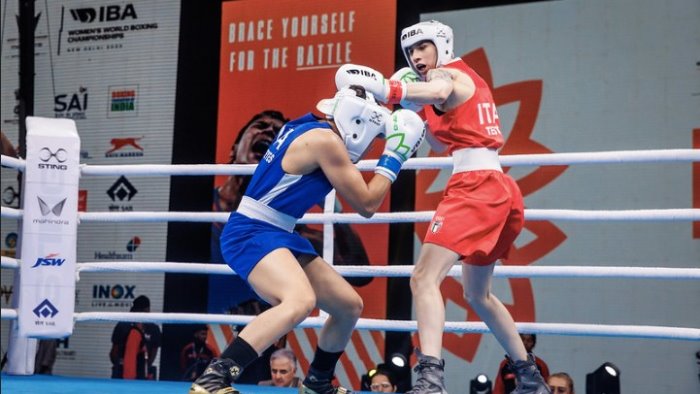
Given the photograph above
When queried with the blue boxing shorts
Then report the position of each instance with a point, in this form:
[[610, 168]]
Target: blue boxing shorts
[[245, 241]]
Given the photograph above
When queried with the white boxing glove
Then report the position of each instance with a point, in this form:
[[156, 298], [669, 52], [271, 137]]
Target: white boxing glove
[[384, 90], [407, 75], [404, 133]]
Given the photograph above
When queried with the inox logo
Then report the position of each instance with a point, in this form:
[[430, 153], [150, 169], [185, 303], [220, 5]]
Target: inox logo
[[115, 292], [50, 261], [411, 33]]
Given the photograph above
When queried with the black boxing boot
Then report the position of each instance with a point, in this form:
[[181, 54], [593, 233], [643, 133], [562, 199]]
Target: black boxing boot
[[527, 376], [319, 382], [431, 375], [217, 378]]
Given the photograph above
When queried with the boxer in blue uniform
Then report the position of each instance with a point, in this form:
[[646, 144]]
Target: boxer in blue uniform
[[309, 157]]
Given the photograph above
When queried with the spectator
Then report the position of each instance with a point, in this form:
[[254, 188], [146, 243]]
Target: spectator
[[135, 346], [196, 355], [381, 380], [283, 368], [6, 147], [561, 383], [505, 379]]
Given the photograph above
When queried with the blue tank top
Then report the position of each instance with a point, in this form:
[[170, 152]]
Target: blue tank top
[[290, 194]]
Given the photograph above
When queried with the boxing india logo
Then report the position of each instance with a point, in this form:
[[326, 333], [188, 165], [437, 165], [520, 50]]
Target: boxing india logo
[[545, 235]]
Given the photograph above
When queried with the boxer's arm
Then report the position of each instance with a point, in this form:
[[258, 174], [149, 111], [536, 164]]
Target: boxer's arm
[[435, 90], [365, 198]]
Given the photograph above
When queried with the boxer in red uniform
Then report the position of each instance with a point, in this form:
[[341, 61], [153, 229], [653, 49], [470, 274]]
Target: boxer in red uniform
[[481, 212]]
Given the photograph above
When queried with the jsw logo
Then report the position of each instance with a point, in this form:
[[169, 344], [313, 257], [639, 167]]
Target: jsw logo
[[49, 261]]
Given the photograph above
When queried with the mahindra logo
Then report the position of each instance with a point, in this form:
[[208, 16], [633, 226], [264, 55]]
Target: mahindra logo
[[60, 155], [46, 209], [411, 33], [45, 309]]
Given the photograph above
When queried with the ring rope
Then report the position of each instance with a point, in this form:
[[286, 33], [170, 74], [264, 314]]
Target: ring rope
[[672, 215], [396, 271], [417, 163], [637, 156], [627, 331]]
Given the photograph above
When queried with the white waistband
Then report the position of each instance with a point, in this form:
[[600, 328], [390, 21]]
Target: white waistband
[[474, 159], [256, 210]]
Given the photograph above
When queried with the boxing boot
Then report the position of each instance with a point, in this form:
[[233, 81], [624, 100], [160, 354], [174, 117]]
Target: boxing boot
[[217, 378], [319, 382], [527, 376], [431, 375]]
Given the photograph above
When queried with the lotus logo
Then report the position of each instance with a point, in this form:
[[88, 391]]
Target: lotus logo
[[46, 209]]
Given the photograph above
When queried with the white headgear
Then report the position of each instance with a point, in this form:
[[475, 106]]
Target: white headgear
[[438, 33], [359, 120]]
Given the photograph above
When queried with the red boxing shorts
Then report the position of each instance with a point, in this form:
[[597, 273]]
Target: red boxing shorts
[[479, 217]]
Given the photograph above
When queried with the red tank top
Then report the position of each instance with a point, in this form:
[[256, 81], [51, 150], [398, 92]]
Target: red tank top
[[473, 124]]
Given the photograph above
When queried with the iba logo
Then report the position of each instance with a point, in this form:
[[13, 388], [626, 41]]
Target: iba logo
[[545, 235], [107, 13]]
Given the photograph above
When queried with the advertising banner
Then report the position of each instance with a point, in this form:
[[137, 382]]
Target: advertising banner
[[284, 58], [112, 68], [577, 76]]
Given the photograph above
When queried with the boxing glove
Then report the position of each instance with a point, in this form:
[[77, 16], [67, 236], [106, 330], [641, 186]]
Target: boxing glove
[[407, 75], [404, 133], [384, 90]]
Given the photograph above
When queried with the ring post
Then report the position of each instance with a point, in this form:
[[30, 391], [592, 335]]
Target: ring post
[[49, 229]]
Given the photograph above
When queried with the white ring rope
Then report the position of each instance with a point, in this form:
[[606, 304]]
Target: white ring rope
[[632, 331], [637, 156], [397, 271], [672, 215], [627, 331]]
